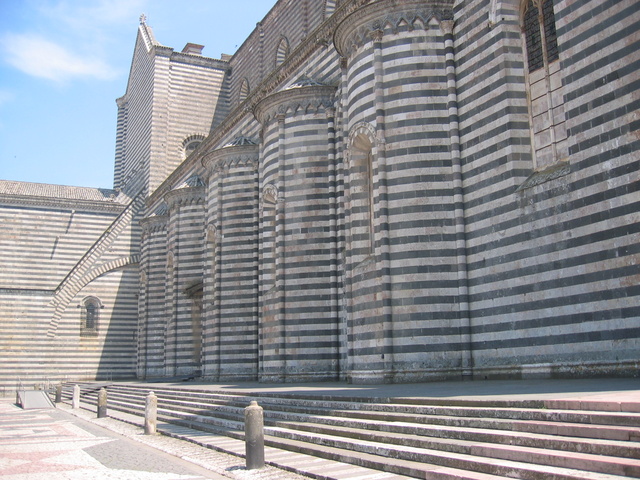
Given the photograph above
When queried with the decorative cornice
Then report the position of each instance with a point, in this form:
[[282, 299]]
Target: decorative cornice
[[61, 203], [156, 223], [199, 60], [185, 196], [230, 157], [369, 22], [294, 99]]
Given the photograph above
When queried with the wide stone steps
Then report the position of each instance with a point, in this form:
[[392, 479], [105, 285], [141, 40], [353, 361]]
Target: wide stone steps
[[497, 440]]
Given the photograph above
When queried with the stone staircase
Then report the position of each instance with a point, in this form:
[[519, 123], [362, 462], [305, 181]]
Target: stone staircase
[[426, 438]]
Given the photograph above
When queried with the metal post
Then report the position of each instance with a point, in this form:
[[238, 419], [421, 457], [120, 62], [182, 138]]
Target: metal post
[[254, 435], [151, 414], [75, 404], [102, 403], [59, 393]]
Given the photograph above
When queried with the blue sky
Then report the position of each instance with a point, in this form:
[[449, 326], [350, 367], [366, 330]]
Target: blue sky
[[64, 62]]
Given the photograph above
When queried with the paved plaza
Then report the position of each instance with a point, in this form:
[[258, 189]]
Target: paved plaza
[[66, 444], [57, 445]]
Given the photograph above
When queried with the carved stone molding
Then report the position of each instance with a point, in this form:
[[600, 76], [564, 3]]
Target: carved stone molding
[[300, 99], [447, 27], [371, 21], [229, 157], [270, 194], [154, 224], [181, 197], [115, 207], [551, 173], [361, 129], [212, 234]]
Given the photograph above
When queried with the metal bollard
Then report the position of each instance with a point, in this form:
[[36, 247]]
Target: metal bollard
[[254, 435], [59, 393], [102, 403], [151, 414], [75, 403]]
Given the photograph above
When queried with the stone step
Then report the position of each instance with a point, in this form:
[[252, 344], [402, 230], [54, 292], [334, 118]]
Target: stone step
[[562, 428], [419, 462], [410, 447], [423, 441], [446, 451], [392, 411], [359, 429]]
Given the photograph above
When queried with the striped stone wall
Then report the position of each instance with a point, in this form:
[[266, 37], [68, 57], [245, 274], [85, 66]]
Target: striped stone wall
[[256, 57], [231, 278], [551, 251], [152, 309], [171, 97], [135, 117], [183, 288], [392, 219], [299, 343], [54, 254]]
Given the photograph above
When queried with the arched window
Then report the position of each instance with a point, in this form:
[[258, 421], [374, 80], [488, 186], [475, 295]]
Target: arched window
[[361, 191], [329, 8], [269, 239], [190, 143], [244, 90], [90, 316], [282, 51], [212, 253], [546, 102]]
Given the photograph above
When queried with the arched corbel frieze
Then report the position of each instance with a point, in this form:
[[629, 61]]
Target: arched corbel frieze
[[305, 98], [235, 155], [357, 29]]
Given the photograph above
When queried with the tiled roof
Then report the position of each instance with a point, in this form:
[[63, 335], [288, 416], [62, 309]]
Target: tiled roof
[[27, 189]]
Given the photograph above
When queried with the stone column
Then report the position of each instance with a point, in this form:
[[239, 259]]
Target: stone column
[[458, 198], [381, 207], [102, 403], [151, 414], [254, 436], [75, 404]]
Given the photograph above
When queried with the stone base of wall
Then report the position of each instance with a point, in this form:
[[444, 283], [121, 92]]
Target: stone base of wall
[[620, 369]]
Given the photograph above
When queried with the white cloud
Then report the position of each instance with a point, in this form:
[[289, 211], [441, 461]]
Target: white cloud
[[82, 16], [42, 58]]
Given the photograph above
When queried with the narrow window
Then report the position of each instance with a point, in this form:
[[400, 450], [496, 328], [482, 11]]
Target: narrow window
[[244, 90], [362, 195], [546, 101], [90, 317], [329, 8], [269, 240], [282, 52]]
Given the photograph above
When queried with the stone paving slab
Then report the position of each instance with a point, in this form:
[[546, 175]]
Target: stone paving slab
[[204, 449], [49, 444]]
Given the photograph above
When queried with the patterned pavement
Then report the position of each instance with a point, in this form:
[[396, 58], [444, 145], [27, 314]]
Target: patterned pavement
[[65, 444], [51, 444]]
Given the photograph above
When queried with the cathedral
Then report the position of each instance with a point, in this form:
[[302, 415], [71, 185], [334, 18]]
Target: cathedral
[[367, 191]]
